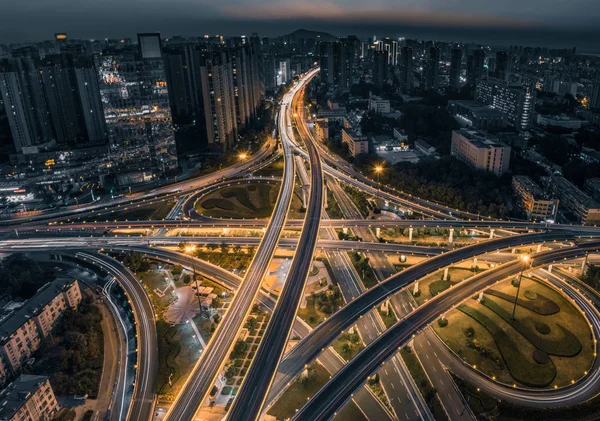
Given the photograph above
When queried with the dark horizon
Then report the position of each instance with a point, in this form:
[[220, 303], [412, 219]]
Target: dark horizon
[[586, 41]]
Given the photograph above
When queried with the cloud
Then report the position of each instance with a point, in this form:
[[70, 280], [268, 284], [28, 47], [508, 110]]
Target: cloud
[[332, 12]]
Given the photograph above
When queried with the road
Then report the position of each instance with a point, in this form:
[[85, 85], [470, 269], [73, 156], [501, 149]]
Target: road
[[404, 397], [248, 403], [144, 394], [295, 223], [208, 367], [336, 392]]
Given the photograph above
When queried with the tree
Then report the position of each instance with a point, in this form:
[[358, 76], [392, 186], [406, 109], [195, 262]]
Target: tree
[[224, 248], [212, 247], [237, 249]]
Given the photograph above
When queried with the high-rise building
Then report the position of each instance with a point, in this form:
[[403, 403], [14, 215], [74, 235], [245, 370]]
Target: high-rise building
[[150, 45], [475, 66], [337, 61], [380, 68], [504, 64], [406, 69], [455, 66], [137, 111], [327, 63], [516, 102], [392, 48], [595, 98], [432, 68], [27, 109]]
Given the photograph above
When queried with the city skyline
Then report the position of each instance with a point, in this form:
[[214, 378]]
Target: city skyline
[[532, 22]]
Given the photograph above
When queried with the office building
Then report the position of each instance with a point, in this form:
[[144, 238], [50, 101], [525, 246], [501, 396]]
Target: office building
[[432, 68], [504, 64], [29, 398], [577, 204], [455, 68], [516, 102], [480, 151], [538, 205], [22, 330], [133, 88], [337, 60], [476, 115], [406, 69]]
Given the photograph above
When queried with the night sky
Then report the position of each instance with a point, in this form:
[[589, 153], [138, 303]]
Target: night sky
[[494, 22]]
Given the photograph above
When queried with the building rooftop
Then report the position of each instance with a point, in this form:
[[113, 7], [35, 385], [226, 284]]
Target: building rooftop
[[478, 109], [14, 320], [567, 187], [528, 184], [14, 396], [481, 139]]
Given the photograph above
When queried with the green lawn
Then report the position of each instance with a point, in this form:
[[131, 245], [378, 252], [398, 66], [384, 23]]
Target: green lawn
[[389, 318], [296, 395], [348, 345], [523, 369], [274, 169], [433, 284]]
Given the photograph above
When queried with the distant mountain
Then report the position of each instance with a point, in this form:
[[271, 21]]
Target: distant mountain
[[308, 34]]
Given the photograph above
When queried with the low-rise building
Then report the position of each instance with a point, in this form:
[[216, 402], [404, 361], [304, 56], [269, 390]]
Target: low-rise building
[[22, 330], [576, 202], [356, 141], [28, 398], [536, 203], [563, 121], [480, 150], [379, 105], [425, 148], [322, 129], [475, 114]]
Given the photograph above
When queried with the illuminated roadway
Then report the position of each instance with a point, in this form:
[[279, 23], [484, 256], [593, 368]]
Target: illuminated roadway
[[208, 367], [249, 401], [330, 398], [144, 393]]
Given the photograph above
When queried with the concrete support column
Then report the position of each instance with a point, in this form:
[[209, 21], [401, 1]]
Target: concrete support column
[[445, 278], [492, 233], [225, 231], [345, 230], [451, 237], [550, 268], [378, 231], [539, 248], [514, 250], [410, 232], [304, 198], [474, 261], [326, 204]]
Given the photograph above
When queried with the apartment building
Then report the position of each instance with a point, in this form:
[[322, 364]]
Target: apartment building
[[28, 398], [576, 202], [22, 331], [480, 150], [536, 203], [357, 143]]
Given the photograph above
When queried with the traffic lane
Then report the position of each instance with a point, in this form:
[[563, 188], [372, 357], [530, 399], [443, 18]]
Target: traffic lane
[[330, 398]]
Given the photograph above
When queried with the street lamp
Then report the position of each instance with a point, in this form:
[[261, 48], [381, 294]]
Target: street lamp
[[243, 156], [528, 262], [378, 170]]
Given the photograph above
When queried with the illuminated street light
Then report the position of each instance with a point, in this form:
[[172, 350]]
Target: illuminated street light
[[528, 263], [243, 156], [378, 170]]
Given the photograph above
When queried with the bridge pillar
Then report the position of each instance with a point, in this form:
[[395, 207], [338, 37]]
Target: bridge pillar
[[445, 278], [451, 237], [539, 248], [326, 204], [474, 261], [550, 268], [225, 231], [492, 233], [345, 230], [513, 251], [378, 231], [583, 266], [410, 232], [304, 204]]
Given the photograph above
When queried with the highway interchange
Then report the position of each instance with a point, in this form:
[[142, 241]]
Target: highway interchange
[[80, 233]]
